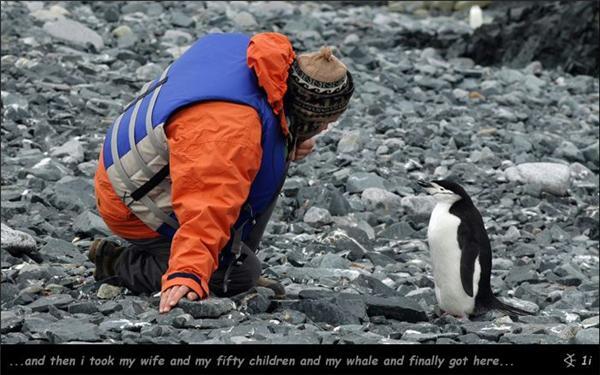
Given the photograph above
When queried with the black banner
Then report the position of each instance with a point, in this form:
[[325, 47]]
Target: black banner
[[271, 359]]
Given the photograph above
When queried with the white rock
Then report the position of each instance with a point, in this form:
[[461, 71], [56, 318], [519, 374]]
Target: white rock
[[244, 20], [521, 304], [122, 31], [72, 151], [317, 216], [16, 240], [592, 322], [350, 142], [553, 178], [56, 12], [475, 17], [351, 39], [376, 198], [74, 32]]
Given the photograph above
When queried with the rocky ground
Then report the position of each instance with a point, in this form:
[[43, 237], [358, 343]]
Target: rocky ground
[[348, 239]]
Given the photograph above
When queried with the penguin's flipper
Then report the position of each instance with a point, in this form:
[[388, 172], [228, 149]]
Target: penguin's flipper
[[469, 247]]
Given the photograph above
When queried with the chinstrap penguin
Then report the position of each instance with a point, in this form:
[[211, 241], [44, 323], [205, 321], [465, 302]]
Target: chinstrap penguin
[[461, 253]]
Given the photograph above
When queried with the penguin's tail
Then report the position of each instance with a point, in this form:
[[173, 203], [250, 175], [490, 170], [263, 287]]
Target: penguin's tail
[[495, 303]]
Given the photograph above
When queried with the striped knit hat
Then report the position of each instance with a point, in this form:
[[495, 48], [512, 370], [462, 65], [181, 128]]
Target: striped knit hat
[[319, 89]]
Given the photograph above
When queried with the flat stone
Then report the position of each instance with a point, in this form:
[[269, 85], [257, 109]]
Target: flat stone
[[71, 152], [338, 204], [71, 193], [244, 20], [399, 308], [325, 311], [57, 250], [334, 261], [209, 308], [15, 241], [380, 199], [489, 330], [592, 153], [321, 293], [360, 338], [304, 274], [43, 304], [353, 304], [515, 338], [74, 32], [588, 336], [521, 274], [87, 307], [379, 259], [528, 306], [8, 292], [374, 286], [416, 336], [357, 183], [192, 337], [72, 330], [119, 325], [419, 205], [553, 178], [298, 338], [592, 322], [90, 224], [10, 322], [109, 307], [399, 231], [37, 323]]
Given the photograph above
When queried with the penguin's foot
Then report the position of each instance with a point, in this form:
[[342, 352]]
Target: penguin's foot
[[445, 317], [463, 318]]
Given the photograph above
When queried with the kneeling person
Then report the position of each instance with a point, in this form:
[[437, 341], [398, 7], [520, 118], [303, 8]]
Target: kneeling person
[[190, 172]]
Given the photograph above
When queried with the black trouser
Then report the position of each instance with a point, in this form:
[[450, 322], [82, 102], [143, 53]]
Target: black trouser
[[142, 264]]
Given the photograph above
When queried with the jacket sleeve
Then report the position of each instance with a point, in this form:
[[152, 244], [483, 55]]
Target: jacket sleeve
[[215, 153]]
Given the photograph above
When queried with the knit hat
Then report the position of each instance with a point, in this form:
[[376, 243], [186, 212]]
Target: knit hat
[[319, 89]]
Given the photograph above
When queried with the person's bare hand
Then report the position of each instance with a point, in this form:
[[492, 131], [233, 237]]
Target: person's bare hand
[[170, 297], [304, 149]]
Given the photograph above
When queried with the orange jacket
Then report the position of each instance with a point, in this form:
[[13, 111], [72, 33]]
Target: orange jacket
[[214, 155]]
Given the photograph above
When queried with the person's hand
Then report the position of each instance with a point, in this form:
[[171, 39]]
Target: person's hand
[[170, 297], [304, 149]]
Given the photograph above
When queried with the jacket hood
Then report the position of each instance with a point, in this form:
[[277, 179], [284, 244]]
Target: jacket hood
[[270, 55]]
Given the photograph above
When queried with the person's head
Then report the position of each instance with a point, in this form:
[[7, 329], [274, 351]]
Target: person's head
[[319, 89]]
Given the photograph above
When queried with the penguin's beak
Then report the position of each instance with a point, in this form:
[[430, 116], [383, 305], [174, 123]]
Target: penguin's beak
[[424, 184]]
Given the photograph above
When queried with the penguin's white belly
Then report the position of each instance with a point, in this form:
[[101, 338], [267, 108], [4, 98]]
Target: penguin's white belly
[[445, 256]]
